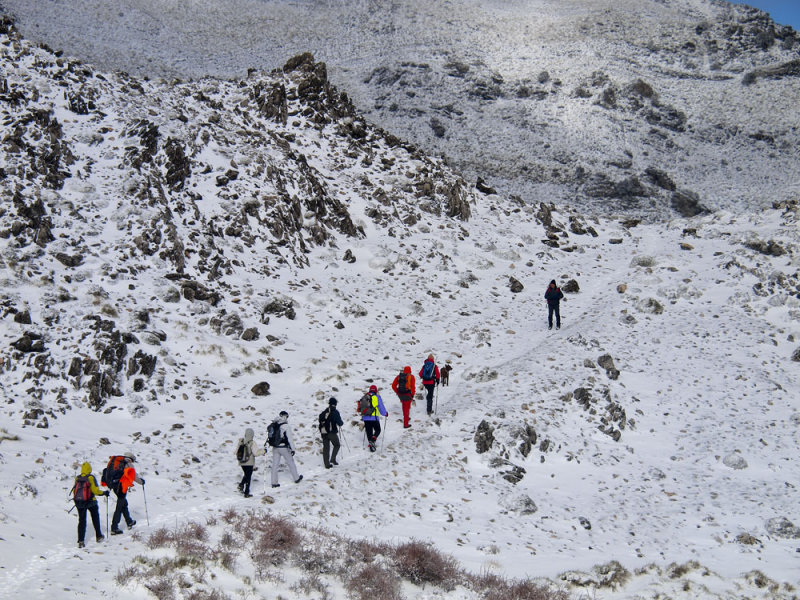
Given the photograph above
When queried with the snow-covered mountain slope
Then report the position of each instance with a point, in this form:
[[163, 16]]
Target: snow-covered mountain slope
[[653, 107], [167, 248]]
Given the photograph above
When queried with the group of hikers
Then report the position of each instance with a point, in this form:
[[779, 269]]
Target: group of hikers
[[370, 407], [119, 475]]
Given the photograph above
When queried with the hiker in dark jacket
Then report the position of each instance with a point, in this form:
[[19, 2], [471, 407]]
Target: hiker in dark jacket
[[329, 430], [129, 477], [429, 374], [248, 461], [553, 295], [84, 492]]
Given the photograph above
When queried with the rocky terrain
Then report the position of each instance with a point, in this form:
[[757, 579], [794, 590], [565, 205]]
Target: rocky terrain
[[181, 260], [658, 108]]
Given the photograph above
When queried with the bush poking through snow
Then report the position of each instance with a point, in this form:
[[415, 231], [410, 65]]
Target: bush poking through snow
[[421, 563], [372, 582]]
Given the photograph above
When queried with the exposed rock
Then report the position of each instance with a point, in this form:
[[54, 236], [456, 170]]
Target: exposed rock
[[735, 461], [250, 334], [687, 203], [483, 188], [274, 367], [770, 248], [484, 437], [349, 257], [650, 305], [783, 528], [69, 260], [515, 285], [571, 287], [606, 362], [23, 317], [260, 389], [796, 355], [622, 288]]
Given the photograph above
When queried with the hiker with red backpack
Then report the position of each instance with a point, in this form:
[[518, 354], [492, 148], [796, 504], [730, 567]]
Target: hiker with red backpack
[[329, 422], [429, 373], [405, 386], [83, 494], [553, 295], [370, 407], [246, 454], [120, 476]]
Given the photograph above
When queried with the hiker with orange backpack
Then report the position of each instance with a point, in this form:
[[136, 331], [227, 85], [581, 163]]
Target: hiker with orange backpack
[[120, 476], [83, 494], [405, 386]]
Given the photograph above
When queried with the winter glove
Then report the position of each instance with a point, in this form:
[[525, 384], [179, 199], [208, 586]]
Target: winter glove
[[292, 452], [142, 481], [106, 493]]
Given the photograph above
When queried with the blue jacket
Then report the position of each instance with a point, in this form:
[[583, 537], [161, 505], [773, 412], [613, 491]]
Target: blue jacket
[[381, 410]]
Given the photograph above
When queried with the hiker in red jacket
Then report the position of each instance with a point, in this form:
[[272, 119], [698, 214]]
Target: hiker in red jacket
[[405, 386], [429, 373]]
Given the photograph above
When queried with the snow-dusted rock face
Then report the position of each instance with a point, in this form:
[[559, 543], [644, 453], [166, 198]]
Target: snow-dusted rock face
[[614, 106], [182, 260]]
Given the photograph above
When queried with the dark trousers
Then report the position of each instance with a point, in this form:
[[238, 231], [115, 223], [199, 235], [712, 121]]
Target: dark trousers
[[95, 512], [121, 510], [244, 484], [553, 309], [373, 429], [328, 440], [429, 397]]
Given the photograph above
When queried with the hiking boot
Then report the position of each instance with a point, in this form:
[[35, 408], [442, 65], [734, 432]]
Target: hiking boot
[[81, 545], [131, 524], [406, 426], [276, 485], [371, 447], [549, 326], [334, 463], [241, 487], [328, 466], [299, 479], [248, 495], [100, 538], [116, 531]]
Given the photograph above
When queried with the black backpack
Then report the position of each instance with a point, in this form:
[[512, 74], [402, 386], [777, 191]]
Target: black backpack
[[243, 453], [113, 472], [402, 384], [274, 437], [82, 490], [366, 407], [325, 421]]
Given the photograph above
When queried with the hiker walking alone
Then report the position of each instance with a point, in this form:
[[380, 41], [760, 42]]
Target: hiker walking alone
[[329, 422], [83, 494], [246, 454], [405, 386], [553, 295], [120, 488], [280, 438], [371, 408], [429, 373]]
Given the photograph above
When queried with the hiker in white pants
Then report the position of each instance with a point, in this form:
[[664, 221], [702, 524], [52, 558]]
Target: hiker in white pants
[[284, 450]]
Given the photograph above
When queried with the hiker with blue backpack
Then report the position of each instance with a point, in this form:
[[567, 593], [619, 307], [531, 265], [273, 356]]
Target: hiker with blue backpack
[[329, 422], [83, 494], [246, 454], [429, 373], [370, 407], [279, 436]]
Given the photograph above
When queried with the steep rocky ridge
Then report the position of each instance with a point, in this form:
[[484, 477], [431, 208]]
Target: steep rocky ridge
[[619, 106]]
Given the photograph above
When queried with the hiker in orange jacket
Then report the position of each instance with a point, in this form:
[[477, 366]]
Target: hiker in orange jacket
[[405, 386], [126, 482]]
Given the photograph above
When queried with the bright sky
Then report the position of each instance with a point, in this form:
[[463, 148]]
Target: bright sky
[[785, 12]]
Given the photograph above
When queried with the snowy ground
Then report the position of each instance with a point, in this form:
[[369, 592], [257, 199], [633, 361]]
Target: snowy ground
[[705, 406]]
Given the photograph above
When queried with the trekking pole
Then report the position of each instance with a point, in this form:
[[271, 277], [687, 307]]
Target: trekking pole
[[383, 438], [345, 440], [146, 513], [106, 515], [264, 477], [436, 408]]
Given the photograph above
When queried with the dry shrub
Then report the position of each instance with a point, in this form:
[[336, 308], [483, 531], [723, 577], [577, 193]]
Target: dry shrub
[[229, 516], [373, 582], [357, 552], [161, 588], [189, 541], [207, 595], [124, 575], [421, 563], [497, 588], [310, 584], [160, 538]]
